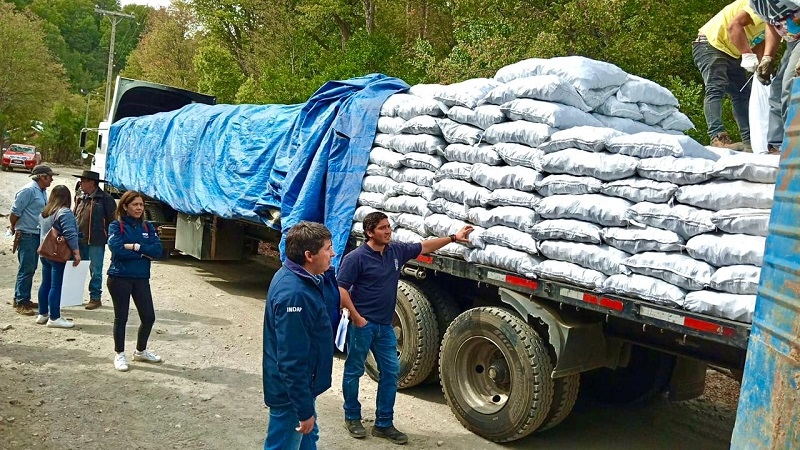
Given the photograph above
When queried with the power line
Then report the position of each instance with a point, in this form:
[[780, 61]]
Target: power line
[[115, 17]]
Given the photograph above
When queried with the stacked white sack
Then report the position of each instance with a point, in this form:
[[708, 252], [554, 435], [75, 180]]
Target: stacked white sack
[[526, 162]]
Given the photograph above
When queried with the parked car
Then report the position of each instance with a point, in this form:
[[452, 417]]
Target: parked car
[[21, 156]]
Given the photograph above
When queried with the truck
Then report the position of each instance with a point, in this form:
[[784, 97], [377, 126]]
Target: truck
[[511, 353]]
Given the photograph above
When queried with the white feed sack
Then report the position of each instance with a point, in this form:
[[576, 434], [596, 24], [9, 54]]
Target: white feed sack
[[482, 117], [466, 93], [361, 213], [417, 143], [568, 185], [548, 88], [641, 90], [419, 125], [519, 132], [504, 258], [513, 197], [423, 161], [382, 185], [453, 250], [554, 114], [520, 155], [440, 225], [407, 236], [520, 69], [567, 230], [654, 114], [472, 154], [674, 268], [626, 125], [596, 208], [720, 304], [748, 167], [615, 108], [591, 139], [378, 171], [406, 188], [511, 238], [570, 273], [717, 195], [506, 177], [420, 177], [677, 121], [461, 192], [604, 166], [657, 145], [727, 249], [426, 90], [638, 240], [455, 170], [517, 217], [357, 229], [457, 133], [450, 209], [584, 73], [408, 106], [685, 220], [750, 221], [372, 199], [640, 190], [739, 279], [599, 257], [390, 125], [646, 288], [678, 171], [407, 204], [412, 222], [383, 140], [385, 158]]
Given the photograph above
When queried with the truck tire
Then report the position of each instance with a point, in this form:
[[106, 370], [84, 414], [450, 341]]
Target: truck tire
[[648, 373], [565, 394], [446, 310], [495, 373], [417, 337], [154, 213]]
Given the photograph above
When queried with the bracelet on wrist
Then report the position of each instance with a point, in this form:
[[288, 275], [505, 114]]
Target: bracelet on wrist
[[452, 238]]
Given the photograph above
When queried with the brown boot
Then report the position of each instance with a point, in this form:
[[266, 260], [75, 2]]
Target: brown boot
[[723, 140], [93, 304], [26, 309]]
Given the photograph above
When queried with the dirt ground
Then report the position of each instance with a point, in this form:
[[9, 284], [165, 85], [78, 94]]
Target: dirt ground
[[59, 389]]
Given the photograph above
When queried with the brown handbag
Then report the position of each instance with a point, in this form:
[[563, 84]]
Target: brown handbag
[[54, 247]]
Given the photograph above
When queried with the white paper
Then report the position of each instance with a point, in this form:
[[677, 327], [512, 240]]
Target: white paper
[[341, 330], [74, 284]]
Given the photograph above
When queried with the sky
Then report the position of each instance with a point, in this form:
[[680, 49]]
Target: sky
[[153, 3]]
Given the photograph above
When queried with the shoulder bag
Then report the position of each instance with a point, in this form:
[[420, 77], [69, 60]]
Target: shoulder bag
[[54, 247]]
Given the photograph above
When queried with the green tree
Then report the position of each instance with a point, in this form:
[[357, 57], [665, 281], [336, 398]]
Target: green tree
[[31, 79], [59, 138], [217, 72]]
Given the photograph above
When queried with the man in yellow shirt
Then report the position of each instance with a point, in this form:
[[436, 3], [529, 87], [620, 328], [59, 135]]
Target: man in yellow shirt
[[724, 51]]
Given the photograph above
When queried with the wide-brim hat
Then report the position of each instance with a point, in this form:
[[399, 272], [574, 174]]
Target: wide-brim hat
[[90, 175]]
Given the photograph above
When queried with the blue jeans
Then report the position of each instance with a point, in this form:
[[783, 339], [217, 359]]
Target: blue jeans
[[281, 433], [383, 343], [50, 289], [779, 94], [722, 75], [95, 254], [28, 261]]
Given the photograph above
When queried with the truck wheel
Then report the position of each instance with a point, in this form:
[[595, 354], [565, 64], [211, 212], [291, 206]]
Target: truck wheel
[[417, 337], [648, 373], [565, 394], [495, 372], [154, 213], [446, 310]]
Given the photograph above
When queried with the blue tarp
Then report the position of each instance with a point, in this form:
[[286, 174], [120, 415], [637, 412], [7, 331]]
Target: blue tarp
[[240, 161]]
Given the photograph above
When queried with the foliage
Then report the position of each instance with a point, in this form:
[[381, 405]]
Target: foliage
[[217, 72], [58, 140]]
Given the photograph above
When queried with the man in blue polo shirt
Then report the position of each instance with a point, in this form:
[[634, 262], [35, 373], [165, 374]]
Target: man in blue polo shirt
[[368, 280], [25, 215]]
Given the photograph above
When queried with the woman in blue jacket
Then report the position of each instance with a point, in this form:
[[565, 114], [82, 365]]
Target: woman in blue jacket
[[134, 244], [56, 214]]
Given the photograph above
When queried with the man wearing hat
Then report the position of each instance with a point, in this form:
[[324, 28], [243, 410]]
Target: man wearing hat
[[94, 210], [25, 214]]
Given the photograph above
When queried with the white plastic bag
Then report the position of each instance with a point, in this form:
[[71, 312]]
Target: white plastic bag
[[570, 273], [420, 125], [423, 161], [677, 121], [554, 114], [407, 204], [521, 69], [759, 117], [417, 143], [548, 88], [373, 199], [616, 108], [450, 209], [511, 238], [390, 125], [591, 139], [678, 171], [599, 257], [520, 132], [641, 90], [657, 145], [378, 171], [721, 304], [466, 93], [513, 197], [648, 239], [520, 155], [482, 117], [461, 192], [455, 170], [385, 158], [383, 185], [717, 195], [407, 188], [646, 288], [568, 185], [457, 133], [748, 167], [566, 230], [604, 166], [739, 279], [674, 268], [655, 114], [597, 208], [685, 220], [640, 190], [750, 221], [472, 154], [453, 250], [421, 177], [407, 236], [505, 177], [441, 225], [504, 258], [361, 213], [727, 249], [517, 217]]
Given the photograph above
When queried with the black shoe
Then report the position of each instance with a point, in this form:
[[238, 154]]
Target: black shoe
[[391, 433], [355, 428]]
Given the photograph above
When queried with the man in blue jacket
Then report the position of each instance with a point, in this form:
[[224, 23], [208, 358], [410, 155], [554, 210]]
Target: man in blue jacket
[[298, 337]]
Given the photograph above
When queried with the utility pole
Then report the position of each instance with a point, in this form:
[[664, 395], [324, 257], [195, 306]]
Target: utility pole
[[115, 18]]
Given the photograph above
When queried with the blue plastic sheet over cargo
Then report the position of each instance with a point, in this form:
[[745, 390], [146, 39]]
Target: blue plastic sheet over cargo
[[241, 161]]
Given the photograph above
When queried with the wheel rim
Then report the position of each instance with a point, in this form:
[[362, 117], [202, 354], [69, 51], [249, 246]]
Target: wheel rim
[[485, 381]]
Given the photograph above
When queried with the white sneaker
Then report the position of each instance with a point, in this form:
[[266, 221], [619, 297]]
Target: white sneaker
[[121, 362], [59, 323], [146, 356], [42, 319]]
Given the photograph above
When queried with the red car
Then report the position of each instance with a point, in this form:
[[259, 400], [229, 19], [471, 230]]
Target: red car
[[20, 156]]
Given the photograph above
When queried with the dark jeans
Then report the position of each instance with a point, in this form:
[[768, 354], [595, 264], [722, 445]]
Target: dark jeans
[[121, 290], [779, 94], [281, 433], [28, 261], [50, 289], [383, 343], [722, 75], [94, 254]]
